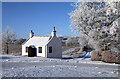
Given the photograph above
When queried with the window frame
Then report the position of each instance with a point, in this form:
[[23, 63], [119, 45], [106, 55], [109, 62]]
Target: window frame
[[26, 49], [50, 49], [39, 51]]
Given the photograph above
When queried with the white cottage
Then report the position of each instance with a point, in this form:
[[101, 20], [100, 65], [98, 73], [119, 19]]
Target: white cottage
[[43, 46]]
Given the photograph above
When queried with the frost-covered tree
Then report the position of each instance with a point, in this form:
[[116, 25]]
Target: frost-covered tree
[[8, 37], [72, 41], [115, 34], [93, 21], [0, 43], [19, 41]]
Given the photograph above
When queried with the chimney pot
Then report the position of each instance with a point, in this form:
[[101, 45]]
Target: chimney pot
[[53, 32], [53, 28], [31, 34]]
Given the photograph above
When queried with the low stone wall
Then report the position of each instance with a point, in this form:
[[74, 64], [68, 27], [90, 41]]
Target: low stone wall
[[106, 56]]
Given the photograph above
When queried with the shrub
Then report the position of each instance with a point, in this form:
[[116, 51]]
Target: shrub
[[96, 55], [110, 57], [106, 56], [118, 58]]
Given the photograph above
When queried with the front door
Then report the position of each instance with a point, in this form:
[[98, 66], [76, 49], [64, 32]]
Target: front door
[[31, 52]]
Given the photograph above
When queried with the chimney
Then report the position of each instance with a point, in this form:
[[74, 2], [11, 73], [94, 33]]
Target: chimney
[[31, 34], [53, 32]]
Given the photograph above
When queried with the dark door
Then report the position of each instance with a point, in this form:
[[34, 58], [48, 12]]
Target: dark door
[[31, 52]]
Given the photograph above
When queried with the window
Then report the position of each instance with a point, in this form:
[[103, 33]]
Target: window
[[26, 49], [50, 49], [40, 49]]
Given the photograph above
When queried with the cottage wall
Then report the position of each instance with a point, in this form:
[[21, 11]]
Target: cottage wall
[[37, 50], [56, 48], [43, 54], [24, 50]]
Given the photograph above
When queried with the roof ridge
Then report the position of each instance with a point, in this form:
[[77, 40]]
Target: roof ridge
[[37, 40], [41, 36]]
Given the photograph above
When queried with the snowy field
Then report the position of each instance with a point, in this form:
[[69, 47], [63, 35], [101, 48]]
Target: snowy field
[[21, 66]]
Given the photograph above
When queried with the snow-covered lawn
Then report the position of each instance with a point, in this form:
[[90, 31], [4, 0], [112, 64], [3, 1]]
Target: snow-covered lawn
[[21, 66]]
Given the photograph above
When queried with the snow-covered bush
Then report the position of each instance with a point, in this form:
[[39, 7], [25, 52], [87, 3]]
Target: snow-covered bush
[[72, 41]]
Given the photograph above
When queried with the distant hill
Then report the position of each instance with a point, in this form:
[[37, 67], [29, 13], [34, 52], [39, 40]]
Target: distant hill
[[64, 39], [63, 36]]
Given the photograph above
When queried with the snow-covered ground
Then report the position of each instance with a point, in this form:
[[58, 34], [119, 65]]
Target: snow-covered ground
[[21, 66]]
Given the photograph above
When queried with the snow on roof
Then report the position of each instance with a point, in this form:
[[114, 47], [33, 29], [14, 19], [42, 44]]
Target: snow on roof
[[38, 41]]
